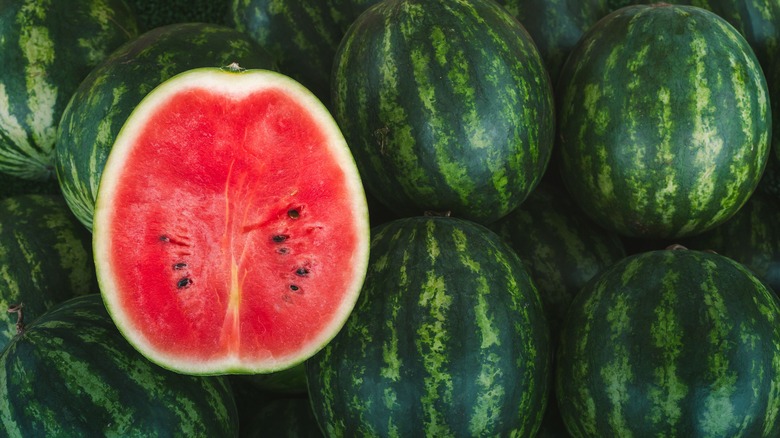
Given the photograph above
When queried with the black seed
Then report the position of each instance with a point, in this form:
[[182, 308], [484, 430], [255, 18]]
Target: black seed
[[179, 266], [164, 238], [279, 238], [294, 287], [283, 250], [183, 282], [302, 272], [293, 213]]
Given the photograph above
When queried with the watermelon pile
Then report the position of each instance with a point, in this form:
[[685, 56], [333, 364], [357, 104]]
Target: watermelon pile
[[391, 218]]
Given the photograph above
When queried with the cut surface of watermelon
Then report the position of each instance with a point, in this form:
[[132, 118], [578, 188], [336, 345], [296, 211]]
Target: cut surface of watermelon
[[231, 228]]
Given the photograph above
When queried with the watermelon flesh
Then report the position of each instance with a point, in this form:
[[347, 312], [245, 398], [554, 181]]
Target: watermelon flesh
[[231, 227]]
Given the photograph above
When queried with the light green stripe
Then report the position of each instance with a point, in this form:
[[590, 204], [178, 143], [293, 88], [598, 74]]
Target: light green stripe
[[432, 341], [617, 373], [38, 49], [668, 389], [718, 416]]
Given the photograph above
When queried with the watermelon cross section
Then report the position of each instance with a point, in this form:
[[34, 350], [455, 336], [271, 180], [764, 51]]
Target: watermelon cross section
[[231, 228]]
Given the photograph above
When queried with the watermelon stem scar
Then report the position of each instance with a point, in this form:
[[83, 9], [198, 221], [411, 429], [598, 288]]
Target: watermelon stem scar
[[17, 308]]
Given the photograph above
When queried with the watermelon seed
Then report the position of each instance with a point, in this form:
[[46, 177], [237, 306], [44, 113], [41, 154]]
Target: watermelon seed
[[302, 272], [293, 213], [283, 250], [279, 238], [164, 238], [296, 289], [183, 282], [179, 266]]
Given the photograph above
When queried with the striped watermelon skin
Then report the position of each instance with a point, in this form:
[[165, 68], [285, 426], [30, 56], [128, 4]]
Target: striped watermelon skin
[[104, 100], [71, 373], [46, 49], [446, 105], [448, 339], [671, 343], [301, 35], [664, 121], [45, 257]]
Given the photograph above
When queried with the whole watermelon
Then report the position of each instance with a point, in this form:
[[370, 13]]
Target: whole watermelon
[[47, 48], [446, 105], [448, 338], [104, 100], [45, 258], [664, 121], [677, 343], [71, 373]]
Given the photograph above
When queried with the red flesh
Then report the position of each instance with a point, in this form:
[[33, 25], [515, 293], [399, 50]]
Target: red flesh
[[218, 180]]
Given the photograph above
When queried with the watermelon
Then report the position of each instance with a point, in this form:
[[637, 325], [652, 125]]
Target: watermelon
[[556, 25], [560, 246], [448, 338], [750, 237], [671, 343], [231, 229], [45, 258], [71, 373], [104, 100], [12, 185], [664, 121], [46, 49], [301, 35], [446, 105]]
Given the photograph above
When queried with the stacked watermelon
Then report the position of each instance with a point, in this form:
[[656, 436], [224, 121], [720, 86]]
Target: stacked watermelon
[[389, 218]]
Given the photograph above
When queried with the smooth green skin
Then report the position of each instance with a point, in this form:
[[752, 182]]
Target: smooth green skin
[[71, 373], [104, 100], [301, 35], [671, 343], [46, 49], [664, 121], [45, 258], [750, 237], [561, 247], [446, 105], [448, 338]]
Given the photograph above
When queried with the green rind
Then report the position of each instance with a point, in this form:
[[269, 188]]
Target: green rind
[[45, 258], [446, 105], [72, 374], [671, 343], [281, 418], [46, 49], [561, 247], [448, 339], [108, 95], [664, 121], [300, 34]]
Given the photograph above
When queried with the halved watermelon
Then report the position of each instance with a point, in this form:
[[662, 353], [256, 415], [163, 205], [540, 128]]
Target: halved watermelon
[[231, 228]]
